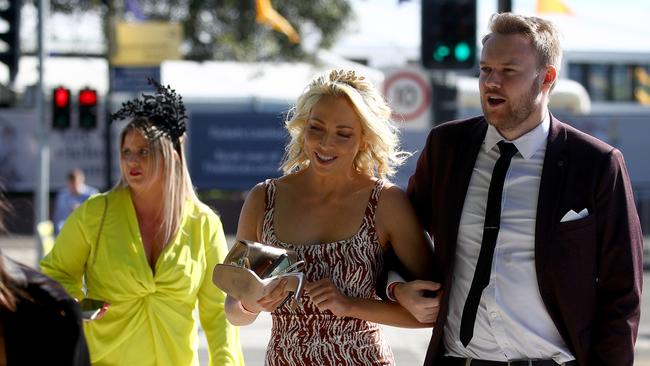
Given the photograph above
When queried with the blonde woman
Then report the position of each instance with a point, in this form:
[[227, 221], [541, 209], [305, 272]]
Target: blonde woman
[[148, 247], [336, 209]]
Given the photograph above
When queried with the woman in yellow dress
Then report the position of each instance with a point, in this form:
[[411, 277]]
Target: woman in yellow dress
[[148, 247]]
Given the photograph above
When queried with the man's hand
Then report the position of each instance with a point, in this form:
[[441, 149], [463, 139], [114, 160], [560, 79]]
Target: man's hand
[[415, 296], [326, 296]]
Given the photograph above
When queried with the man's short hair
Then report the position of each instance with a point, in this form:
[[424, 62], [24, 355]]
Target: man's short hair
[[76, 175], [543, 35]]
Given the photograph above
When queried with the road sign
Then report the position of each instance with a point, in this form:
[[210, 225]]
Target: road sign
[[408, 92], [146, 43], [133, 79], [235, 150]]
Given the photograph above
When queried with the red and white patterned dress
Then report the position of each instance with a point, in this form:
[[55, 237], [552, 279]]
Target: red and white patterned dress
[[308, 336]]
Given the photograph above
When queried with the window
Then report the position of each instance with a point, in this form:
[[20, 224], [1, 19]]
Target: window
[[597, 81], [622, 83], [613, 82]]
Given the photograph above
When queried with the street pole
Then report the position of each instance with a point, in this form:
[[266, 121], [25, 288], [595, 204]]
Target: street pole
[[108, 137], [43, 190], [444, 91], [504, 6]]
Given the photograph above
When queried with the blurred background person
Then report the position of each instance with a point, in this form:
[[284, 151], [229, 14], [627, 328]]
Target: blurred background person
[[148, 247], [40, 324], [336, 209], [70, 197]]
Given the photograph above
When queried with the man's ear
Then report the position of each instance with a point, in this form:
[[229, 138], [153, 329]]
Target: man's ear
[[550, 76]]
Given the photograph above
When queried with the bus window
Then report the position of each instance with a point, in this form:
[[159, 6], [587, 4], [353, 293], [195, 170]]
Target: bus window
[[597, 82], [622, 83]]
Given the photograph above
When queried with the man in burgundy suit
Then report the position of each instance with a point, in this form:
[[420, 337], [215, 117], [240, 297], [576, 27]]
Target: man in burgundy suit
[[542, 265]]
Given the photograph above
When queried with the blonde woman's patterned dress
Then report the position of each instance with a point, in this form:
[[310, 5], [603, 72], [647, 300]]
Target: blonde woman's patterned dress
[[308, 336]]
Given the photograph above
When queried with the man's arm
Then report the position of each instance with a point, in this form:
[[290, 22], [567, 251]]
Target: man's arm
[[420, 188], [620, 269], [418, 296]]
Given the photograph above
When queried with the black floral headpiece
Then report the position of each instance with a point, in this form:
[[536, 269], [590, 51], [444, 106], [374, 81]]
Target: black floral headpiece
[[164, 109]]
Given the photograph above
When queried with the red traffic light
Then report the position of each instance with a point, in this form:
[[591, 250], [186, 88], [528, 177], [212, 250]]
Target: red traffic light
[[61, 108], [87, 108], [87, 97], [61, 97]]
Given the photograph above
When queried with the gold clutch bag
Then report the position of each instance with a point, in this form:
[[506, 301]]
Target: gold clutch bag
[[251, 270]]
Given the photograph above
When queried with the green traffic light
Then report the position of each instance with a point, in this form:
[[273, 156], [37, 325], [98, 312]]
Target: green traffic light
[[440, 53], [462, 52]]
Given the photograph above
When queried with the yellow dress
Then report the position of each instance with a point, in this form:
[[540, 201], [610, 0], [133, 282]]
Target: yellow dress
[[151, 319]]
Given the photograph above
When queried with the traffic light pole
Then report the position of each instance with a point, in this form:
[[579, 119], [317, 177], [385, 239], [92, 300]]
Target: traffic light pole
[[108, 137], [43, 190], [504, 6], [444, 101]]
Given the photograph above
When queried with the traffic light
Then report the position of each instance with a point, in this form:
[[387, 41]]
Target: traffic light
[[61, 108], [88, 108], [10, 51], [448, 34]]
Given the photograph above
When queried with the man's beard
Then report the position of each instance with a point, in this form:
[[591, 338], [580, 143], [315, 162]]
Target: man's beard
[[517, 113]]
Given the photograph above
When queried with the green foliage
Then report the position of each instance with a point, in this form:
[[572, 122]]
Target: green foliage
[[227, 30]]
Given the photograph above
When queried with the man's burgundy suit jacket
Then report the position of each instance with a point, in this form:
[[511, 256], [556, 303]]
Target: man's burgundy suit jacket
[[589, 270]]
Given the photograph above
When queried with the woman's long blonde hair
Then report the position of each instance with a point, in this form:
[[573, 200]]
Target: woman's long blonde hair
[[379, 154], [177, 184]]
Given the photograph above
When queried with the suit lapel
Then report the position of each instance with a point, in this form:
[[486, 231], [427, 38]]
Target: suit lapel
[[467, 151], [554, 173]]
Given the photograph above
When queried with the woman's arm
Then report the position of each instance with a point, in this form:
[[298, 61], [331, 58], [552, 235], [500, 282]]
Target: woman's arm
[[223, 338], [250, 227], [66, 263], [399, 227], [239, 314], [326, 296]]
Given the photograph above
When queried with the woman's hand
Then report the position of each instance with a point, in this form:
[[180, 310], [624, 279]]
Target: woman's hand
[[326, 296], [271, 301]]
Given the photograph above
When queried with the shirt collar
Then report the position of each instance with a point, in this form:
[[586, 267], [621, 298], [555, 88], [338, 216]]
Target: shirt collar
[[526, 144]]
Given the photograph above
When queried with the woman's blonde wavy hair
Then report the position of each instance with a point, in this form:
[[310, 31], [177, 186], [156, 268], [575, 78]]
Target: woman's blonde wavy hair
[[379, 154], [177, 184]]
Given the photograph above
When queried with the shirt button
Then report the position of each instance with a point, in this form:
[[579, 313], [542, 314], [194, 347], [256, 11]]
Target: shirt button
[[493, 315]]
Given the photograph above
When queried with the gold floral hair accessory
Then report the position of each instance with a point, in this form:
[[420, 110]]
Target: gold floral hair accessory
[[349, 77]]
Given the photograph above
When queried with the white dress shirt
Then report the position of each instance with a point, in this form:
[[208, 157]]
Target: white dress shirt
[[511, 322]]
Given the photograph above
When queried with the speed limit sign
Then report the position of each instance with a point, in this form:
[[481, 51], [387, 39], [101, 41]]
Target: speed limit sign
[[408, 92]]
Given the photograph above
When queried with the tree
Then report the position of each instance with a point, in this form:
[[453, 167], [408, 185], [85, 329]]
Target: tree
[[226, 29]]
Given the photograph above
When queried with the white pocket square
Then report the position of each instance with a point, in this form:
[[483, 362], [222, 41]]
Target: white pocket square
[[572, 215]]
